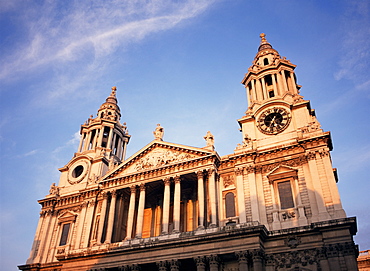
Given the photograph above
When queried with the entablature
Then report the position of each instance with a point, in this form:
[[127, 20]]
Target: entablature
[[74, 200], [182, 168]]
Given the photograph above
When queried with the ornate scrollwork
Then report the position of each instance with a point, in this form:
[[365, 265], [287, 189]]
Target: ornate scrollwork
[[288, 214], [228, 180], [292, 241]]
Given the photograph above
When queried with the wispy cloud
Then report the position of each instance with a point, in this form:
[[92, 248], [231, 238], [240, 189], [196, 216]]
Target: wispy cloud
[[67, 31], [73, 142], [354, 62], [354, 159]]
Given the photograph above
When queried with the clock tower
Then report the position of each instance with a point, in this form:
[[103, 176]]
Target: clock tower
[[280, 122], [103, 144]]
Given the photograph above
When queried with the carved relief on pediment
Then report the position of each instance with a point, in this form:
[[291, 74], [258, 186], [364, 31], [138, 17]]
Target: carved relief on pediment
[[161, 157]]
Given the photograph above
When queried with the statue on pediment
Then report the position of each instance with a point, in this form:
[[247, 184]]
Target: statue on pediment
[[158, 132]]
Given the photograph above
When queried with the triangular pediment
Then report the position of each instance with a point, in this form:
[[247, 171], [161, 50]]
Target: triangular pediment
[[281, 172], [158, 154], [67, 216]]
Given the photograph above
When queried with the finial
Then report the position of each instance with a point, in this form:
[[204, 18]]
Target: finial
[[114, 89], [264, 43], [263, 39]]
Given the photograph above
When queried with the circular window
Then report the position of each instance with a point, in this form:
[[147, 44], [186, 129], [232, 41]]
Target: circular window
[[77, 171]]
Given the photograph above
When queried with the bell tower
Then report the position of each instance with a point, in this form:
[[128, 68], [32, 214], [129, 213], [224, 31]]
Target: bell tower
[[278, 127], [102, 145], [277, 113]]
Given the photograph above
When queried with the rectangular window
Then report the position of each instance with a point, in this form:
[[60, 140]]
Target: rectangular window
[[285, 195], [65, 231]]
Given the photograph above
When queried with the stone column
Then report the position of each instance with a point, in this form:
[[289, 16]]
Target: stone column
[[37, 241], [265, 94], [52, 240], [248, 91], [101, 135], [88, 222], [240, 193], [87, 141], [213, 262], [243, 260], [140, 212], [274, 84], [294, 84], [270, 262], [253, 193], [323, 213], [102, 217], [119, 148], [166, 206], [339, 212], [200, 199], [93, 143], [257, 260], [253, 92], [124, 148], [81, 141], [212, 196], [114, 143], [275, 210], [109, 142], [80, 225], [259, 90], [302, 220], [131, 211], [176, 204], [285, 83], [112, 212], [200, 263]]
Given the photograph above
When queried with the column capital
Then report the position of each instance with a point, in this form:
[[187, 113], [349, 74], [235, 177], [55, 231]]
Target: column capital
[[242, 256], [177, 179], [199, 173], [133, 188], [174, 265], [257, 254], [200, 261], [251, 169], [113, 193], [162, 265], [167, 181], [104, 194], [211, 171], [239, 171], [213, 260], [142, 187], [311, 155]]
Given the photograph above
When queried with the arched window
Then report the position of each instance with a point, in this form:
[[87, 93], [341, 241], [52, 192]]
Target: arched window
[[265, 61], [230, 204]]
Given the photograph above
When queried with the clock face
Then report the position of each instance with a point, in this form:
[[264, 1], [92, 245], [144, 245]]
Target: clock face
[[273, 120]]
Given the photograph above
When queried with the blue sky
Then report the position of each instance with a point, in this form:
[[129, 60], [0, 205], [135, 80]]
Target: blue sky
[[177, 63]]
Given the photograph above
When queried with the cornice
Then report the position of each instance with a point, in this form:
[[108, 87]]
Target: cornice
[[72, 200], [279, 155]]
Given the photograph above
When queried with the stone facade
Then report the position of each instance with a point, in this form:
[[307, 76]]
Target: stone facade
[[272, 204], [364, 260]]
